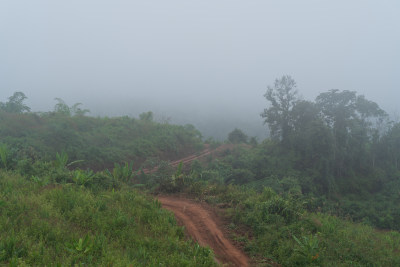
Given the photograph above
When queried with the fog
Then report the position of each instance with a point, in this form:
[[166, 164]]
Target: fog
[[200, 62]]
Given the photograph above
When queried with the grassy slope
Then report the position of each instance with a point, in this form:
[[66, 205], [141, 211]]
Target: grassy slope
[[276, 221], [69, 224]]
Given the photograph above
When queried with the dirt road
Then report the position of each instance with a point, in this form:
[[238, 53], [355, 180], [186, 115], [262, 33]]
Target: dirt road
[[205, 152], [203, 225], [184, 161]]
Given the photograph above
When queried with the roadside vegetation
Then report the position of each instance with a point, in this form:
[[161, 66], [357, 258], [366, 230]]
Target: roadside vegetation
[[287, 227]]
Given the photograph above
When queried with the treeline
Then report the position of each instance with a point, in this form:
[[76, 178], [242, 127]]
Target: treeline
[[341, 136], [99, 142], [342, 141], [341, 150], [345, 139]]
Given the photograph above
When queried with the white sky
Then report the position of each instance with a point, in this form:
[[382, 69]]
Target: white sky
[[196, 57]]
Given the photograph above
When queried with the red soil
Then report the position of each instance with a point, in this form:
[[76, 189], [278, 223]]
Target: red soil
[[203, 225]]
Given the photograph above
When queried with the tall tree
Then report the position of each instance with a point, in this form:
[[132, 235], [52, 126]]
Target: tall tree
[[342, 108], [15, 104], [62, 108], [237, 136], [146, 116], [311, 137], [390, 147], [350, 118], [282, 97], [77, 111]]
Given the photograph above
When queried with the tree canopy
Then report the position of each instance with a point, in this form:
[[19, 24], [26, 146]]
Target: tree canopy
[[336, 135], [237, 136], [75, 110], [282, 97], [15, 104]]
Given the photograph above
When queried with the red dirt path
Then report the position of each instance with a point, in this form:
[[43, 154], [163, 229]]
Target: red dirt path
[[207, 151], [203, 225]]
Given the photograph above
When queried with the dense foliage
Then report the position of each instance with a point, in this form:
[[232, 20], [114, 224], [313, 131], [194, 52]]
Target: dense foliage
[[99, 142], [341, 150], [345, 139]]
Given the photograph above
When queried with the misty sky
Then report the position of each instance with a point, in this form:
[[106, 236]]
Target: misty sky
[[196, 58]]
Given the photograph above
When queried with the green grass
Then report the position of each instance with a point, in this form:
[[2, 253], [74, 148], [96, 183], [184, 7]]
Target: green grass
[[68, 224], [283, 230]]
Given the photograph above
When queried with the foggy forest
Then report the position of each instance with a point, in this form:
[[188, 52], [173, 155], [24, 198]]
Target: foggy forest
[[199, 133]]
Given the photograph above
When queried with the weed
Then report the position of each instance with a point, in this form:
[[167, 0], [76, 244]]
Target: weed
[[82, 177], [81, 246], [308, 247], [122, 172]]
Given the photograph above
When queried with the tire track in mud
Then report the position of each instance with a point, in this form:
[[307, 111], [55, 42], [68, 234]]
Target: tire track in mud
[[202, 225]]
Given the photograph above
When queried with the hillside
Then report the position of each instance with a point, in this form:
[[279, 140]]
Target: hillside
[[67, 224], [99, 142], [69, 194]]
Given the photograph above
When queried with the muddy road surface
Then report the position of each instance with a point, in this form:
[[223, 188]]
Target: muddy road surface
[[204, 226]]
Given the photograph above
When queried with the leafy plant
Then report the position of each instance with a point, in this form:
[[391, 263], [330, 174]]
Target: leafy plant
[[175, 182], [61, 161], [179, 169], [122, 172], [40, 181], [81, 177], [308, 247], [82, 246], [287, 208], [15, 104]]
